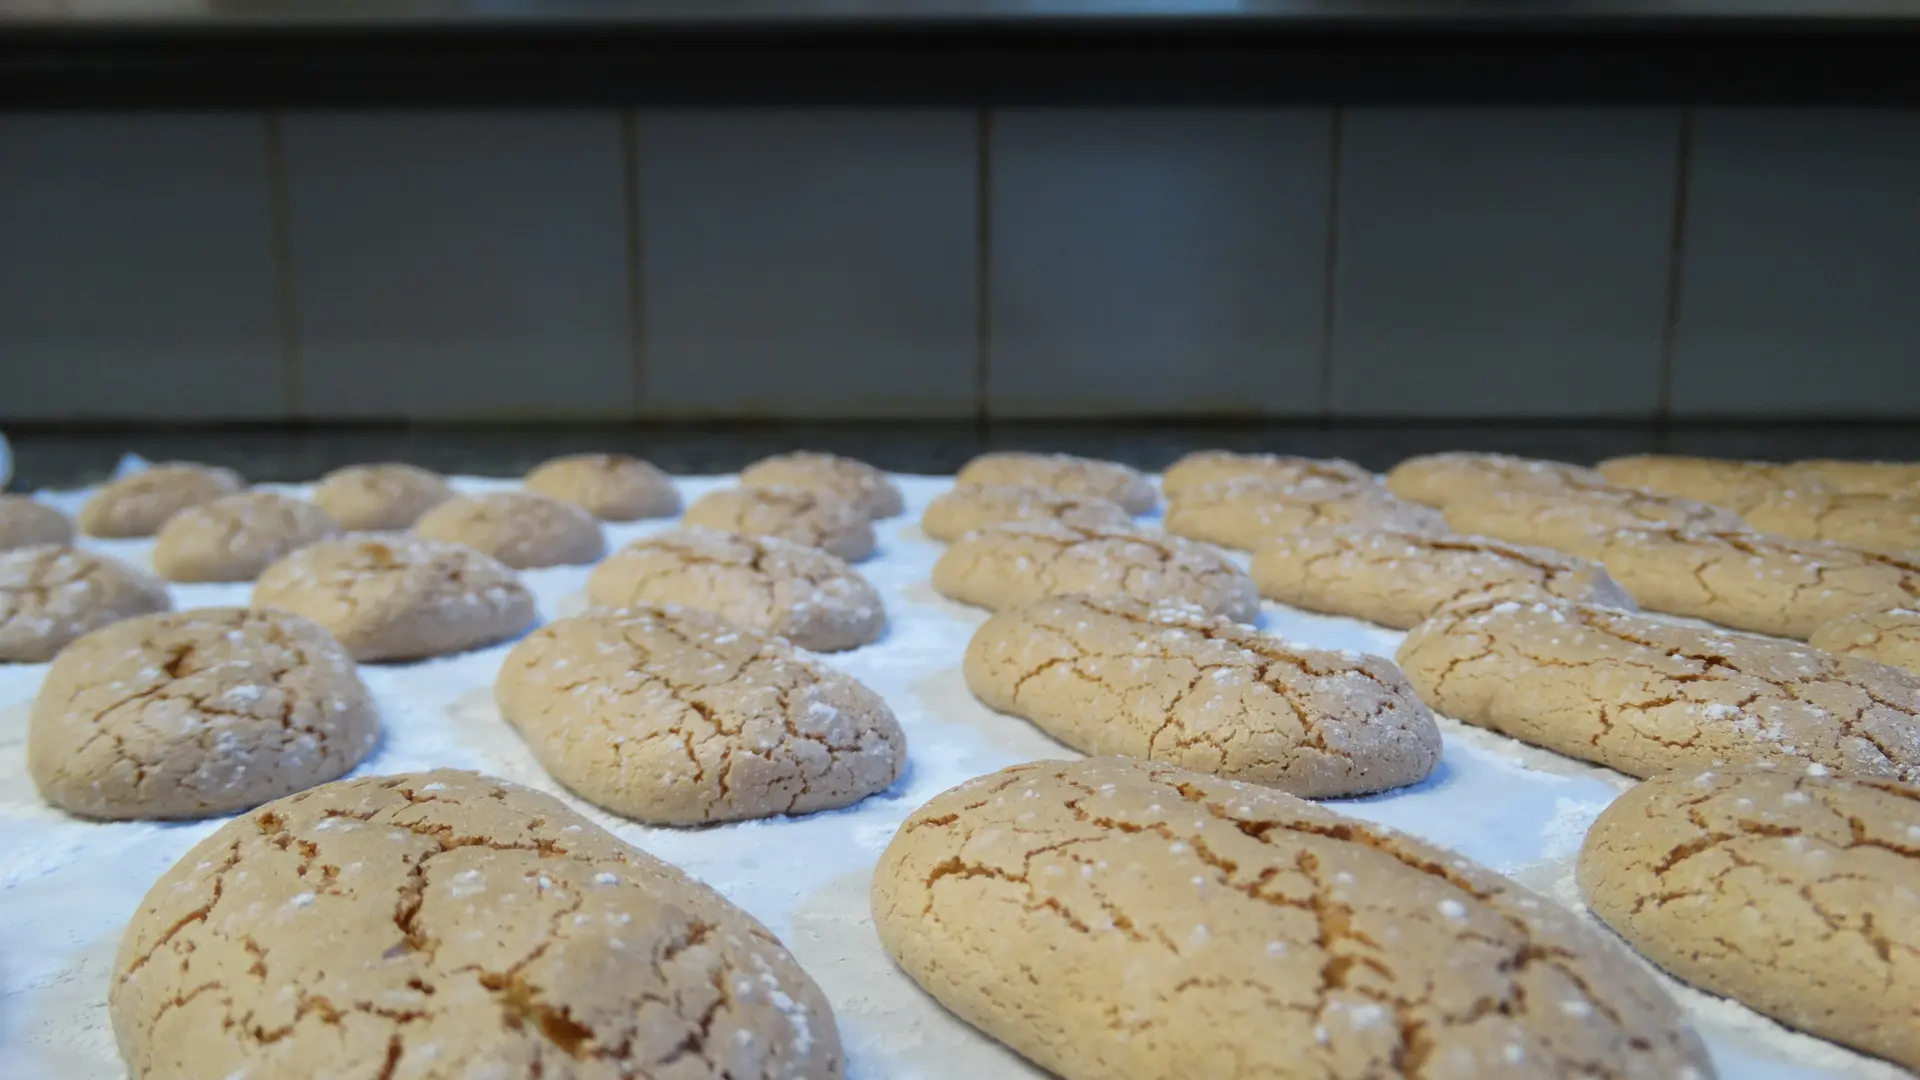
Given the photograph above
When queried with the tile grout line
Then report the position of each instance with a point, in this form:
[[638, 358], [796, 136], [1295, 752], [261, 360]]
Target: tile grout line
[[636, 290], [983, 272], [1330, 289], [1676, 259], [280, 214]]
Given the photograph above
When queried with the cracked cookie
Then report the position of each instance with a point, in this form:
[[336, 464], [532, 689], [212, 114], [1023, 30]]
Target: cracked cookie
[[975, 506], [1891, 637], [51, 594], [193, 713], [235, 537], [1066, 474], [1862, 477], [611, 487], [1206, 467], [815, 519], [376, 498], [1881, 522], [1792, 892], [1646, 696], [399, 598], [829, 474], [137, 505], [1248, 514], [1736, 485], [1111, 919], [773, 586], [1004, 566], [1578, 521], [675, 717], [1398, 578], [1166, 684], [445, 924], [521, 529], [1439, 479], [26, 523], [1753, 581]]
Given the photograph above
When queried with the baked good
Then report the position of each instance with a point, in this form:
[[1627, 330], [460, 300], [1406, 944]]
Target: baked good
[[1197, 470], [1249, 514], [1064, 473], [521, 529], [378, 498], [1881, 522], [1861, 477], [829, 474], [1578, 521], [235, 537], [975, 506], [1005, 566], [1736, 485], [139, 503], [27, 523], [1439, 479], [1891, 636], [611, 487], [828, 522], [51, 594]]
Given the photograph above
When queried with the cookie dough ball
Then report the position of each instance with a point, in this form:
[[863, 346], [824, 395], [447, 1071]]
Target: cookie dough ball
[[51, 594], [376, 498], [1439, 479], [1066, 474], [138, 505], [829, 474], [611, 487], [976, 506], [675, 717], [806, 517], [399, 598], [26, 523], [234, 538], [520, 529], [1219, 466], [193, 713], [1891, 637]]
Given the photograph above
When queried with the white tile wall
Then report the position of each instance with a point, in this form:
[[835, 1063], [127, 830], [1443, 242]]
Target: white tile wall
[[137, 268], [1158, 261], [460, 264], [809, 264]]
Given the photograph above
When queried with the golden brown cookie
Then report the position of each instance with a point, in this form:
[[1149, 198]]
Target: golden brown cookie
[[675, 717], [818, 520], [399, 598], [26, 523], [1111, 919], [1793, 893], [1644, 695], [521, 529], [137, 505], [192, 713], [611, 487], [51, 594], [829, 474], [1862, 477], [1753, 581], [1117, 676], [1880, 522], [1579, 521], [1736, 485], [1249, 514], [235, 537], [444, 924], [1066, 474], [1439, 479], [1891, 636], [1206, 467], [376, 498], [1398, 578], [774, 586], [975, 506], [1004, 566]]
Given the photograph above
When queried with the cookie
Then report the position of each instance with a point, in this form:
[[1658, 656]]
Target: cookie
[[1066, 474], [1880, 522], [1579, 521], [1891, 636], [773, 586], [399, 598], [26, 523], [676, 717], [235, 537], [444, 924], [817, 520], [51, 594], [1439, 479], [838, 477], [1005, 566], [1118, 920], [1793, 893], [1736, 485], [192, 713], [611, 487], [1646, 696], [1206, 467], [1249, 514], [975, 506], [521, 529], [1862, 477], [137, 505], [1753, 581], [1117, 676], [378, 498], [1398, 578]]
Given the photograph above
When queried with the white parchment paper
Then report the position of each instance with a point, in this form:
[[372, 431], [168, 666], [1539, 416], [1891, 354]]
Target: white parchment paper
[[67, 886]]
